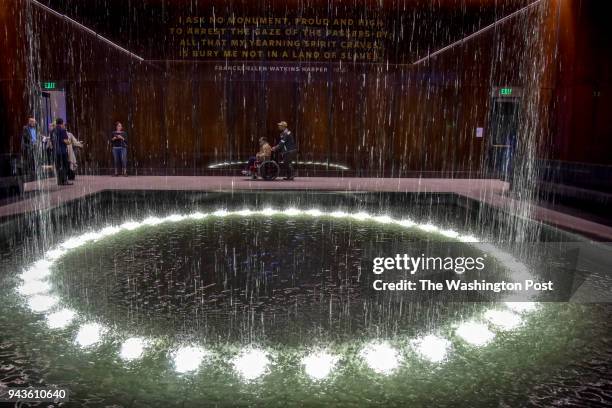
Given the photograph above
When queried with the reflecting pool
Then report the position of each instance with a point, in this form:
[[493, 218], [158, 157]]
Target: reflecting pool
[[257, 299]]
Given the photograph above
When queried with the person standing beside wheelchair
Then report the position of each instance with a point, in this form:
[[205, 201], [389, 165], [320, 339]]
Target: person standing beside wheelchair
[[287, 148]]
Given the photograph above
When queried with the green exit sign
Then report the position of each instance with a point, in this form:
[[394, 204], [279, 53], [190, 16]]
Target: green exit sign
[[505, 91], [49, 85]]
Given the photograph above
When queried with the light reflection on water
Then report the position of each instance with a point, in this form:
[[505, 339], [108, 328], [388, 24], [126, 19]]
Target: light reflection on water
[[252, 279], [158, 282]]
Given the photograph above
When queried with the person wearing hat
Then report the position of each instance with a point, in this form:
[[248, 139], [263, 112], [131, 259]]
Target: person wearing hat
[[287, 148]]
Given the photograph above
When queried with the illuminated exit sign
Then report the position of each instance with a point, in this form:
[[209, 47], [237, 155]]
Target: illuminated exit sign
[[49, 85], [504, 91]]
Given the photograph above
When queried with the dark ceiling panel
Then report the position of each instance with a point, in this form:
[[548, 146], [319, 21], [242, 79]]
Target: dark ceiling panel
[[416, 27]]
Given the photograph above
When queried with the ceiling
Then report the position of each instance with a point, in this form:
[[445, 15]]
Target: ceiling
[[416, 27]]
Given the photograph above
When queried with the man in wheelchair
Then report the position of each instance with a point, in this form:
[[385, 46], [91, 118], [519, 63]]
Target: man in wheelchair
[[263, 157]]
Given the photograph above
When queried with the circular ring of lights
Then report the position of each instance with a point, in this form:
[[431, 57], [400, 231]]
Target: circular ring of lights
[[253, 362]]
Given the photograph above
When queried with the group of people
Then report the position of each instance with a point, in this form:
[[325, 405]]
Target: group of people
[[286, 148], [58, 149]]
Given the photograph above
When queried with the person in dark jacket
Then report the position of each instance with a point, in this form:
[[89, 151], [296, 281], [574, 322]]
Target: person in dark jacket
[[119, 143], [287, 148], [60, 140], [30, 144]]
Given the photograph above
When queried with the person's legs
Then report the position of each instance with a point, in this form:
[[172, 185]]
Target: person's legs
[[66, 166], [58, 169], [28, 164], [124, 160], [34, 158], [40, 159], [61, 168], [248, 170], [72, 168], [49, 156], [116, 160], [288, 159]]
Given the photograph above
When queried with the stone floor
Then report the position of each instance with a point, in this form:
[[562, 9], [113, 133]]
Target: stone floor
[[41, 195]]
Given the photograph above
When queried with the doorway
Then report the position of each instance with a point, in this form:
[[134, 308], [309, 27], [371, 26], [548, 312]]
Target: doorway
[[504, 131], [53, 105]]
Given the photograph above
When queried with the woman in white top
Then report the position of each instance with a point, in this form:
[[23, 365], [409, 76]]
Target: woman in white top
[[74, 142]]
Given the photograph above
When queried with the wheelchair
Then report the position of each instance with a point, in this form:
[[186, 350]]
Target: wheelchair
[[266, 170]]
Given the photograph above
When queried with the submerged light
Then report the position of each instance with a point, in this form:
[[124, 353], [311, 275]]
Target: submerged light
[[318, 365], [54, 254], [427, 227], [41, 303], [34, 287], [522, 307], [406, 222], [175, 217], [152, 221], [245, 213], [468, 239], [89, 334], [220, 213], [268, 211], [314, 212], [130, 225], [40, 270], [503, 319], [383, 219], [73, 242], [132, 348], [476, 334], [60, 319], [449, 233], [431, 347], [381, 357], [361, 216], [91, 236], [251, 363], [110, 230], [292, 212], [188, 358]]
